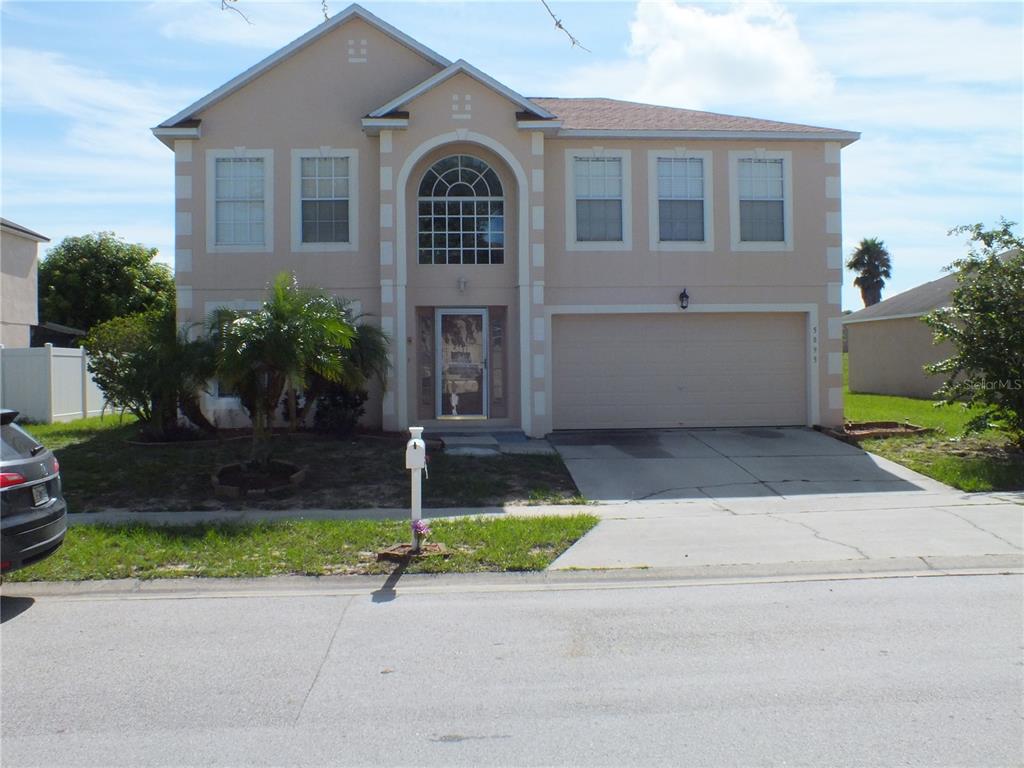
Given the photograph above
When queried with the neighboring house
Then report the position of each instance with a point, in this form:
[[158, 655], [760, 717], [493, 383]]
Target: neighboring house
[[889, 344], [526, 255], [19, 264]]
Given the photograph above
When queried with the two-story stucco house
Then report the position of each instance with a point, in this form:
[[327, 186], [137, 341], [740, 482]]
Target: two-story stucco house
[[541, 263], [19, 268]]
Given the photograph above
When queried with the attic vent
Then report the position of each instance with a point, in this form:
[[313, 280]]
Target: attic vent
[[357, 53]]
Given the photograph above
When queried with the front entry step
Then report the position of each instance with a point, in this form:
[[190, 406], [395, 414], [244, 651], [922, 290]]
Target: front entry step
[[492, 443]]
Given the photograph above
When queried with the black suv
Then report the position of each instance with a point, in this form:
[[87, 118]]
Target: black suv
[[33, 514]]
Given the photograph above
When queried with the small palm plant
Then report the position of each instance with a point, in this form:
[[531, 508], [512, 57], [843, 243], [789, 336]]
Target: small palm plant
[[262, 354], [873, 265]]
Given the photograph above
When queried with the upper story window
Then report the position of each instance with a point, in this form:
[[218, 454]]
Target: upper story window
[[761, 201], [240, 201], [680, 198], [598, 184], [461, 213], [325, 191], [681, 216], [325, 200], [597, 200]]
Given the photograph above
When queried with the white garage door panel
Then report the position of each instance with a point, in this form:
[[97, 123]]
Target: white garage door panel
[[697, 370]]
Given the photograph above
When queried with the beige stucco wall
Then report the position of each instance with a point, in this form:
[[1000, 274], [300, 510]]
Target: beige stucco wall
[[19, 263], [317, 98], [887, 357]]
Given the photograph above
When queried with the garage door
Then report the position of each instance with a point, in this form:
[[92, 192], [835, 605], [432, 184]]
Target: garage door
[[696, 370]]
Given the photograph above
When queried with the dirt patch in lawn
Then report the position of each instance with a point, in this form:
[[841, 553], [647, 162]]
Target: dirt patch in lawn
[[100, 470]]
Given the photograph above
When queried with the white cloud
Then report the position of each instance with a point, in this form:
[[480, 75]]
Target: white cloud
[[265, 25], [690, 56]]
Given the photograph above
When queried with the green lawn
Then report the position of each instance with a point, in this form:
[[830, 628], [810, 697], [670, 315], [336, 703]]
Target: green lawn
[[981, 462], [100, 469], [302, 547]]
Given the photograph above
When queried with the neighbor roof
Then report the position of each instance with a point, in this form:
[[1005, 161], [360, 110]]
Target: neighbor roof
[[617, 116], [913, 303], [23, 231], [353, 11]]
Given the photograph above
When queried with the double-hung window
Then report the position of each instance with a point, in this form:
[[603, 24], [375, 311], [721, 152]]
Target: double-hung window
[[324, 210], [680, 200], [762, 190], [239, 200], [598, 206]]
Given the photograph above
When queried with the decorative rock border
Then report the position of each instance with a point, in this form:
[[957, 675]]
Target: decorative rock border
[[854, 432], [223, 490]]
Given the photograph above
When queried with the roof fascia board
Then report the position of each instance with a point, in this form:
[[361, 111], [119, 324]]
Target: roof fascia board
[[550, 126], [353, 11], [853, 319], [176, 133], [847, 137], [20, 231], [372, 126], [453, 69]]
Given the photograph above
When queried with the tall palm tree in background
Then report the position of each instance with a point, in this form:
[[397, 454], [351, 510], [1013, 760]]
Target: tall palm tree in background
[[871, 261]]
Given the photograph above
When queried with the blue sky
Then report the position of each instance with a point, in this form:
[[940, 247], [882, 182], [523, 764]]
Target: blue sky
[[935, 89]]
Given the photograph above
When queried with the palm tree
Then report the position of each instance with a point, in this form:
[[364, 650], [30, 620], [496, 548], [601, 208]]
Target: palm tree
[[296, 332], [871, 261]]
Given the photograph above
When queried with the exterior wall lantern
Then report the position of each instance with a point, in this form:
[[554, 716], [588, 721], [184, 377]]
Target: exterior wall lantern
[[684, 299]]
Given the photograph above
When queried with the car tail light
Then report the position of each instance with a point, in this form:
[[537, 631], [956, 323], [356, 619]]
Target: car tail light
[[8, 479], [56, 465], [5, 565]]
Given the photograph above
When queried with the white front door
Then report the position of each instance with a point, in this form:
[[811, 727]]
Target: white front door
[[462, 363]]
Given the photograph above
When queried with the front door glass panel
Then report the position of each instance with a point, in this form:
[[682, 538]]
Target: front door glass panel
[[463, 364]]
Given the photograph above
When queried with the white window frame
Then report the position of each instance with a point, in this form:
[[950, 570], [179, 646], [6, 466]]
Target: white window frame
[[787, 200], [653, 200], [212, 155], [353, 201], [571, 243]]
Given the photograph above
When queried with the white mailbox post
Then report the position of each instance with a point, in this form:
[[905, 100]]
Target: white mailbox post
[[416, 463]]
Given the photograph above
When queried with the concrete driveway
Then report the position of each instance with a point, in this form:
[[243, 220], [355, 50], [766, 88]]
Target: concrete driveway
[[665, 465]]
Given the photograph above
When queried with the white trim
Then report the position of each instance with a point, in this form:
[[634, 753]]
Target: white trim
[[485, 404], [537, 144], [835, 363], [550, 126], [571, 244], [833, 223], [835, 398], [374, 125], [176, 133], [537, 217], [212, 155], [353, 11], [401, 258], [832, 152], [811, 310], [591, 133], [787, 200], [832, 187], [834, 257], [353, 201], [183, 224], [833, 290], [387, 253], [537, 180], [182, 260], [183, 187], [853, 319], [653, 201], [387, 179], [464, 67], [183, 296], [537, 251], [835, 328]]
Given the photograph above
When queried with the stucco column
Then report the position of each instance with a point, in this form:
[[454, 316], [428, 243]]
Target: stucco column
[[830, 335], [392, 294], [183, 237], [536, 420]]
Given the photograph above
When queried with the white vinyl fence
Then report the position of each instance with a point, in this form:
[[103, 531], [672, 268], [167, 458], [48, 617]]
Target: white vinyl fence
[[48, 384]]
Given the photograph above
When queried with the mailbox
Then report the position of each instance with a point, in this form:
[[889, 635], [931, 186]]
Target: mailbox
[[416, 450]]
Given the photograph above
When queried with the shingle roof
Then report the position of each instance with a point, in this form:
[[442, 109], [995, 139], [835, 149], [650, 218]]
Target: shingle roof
[[915, 302], [615, 115]]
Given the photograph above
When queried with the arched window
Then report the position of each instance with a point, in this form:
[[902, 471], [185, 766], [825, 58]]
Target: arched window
[[461, 213]]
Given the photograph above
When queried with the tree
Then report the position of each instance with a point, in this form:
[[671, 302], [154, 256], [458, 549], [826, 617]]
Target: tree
[[272, 350], [985, 323], [871, 261], [144, 365], [86, 280]]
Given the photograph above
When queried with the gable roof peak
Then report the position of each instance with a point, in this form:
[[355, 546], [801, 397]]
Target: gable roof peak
[[464, 67], [353, 11]]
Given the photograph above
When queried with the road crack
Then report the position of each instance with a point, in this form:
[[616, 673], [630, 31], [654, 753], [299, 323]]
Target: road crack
[[323, 661], [819, 535]]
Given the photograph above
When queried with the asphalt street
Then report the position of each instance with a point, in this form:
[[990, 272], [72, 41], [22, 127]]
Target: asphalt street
[[925, 671]]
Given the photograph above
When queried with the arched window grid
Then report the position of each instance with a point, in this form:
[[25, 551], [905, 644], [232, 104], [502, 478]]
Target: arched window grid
[[461, 213]]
